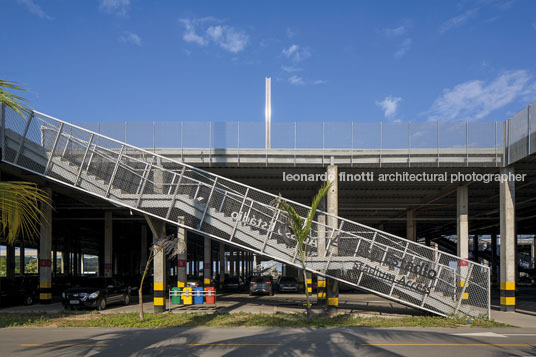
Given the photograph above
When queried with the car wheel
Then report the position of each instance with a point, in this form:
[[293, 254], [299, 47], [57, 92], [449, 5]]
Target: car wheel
[[28, 300], [102, 304], [126, 299]]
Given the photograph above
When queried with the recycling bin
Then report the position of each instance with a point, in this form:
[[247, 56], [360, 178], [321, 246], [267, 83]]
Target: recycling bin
[[187, 296], [198, 296], [211, 295], [176, 297]]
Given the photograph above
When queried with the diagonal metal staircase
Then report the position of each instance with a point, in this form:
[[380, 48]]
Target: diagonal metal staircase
[[239, 215]]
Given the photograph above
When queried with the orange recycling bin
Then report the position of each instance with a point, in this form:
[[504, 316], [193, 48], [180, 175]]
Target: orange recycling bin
[[210, 299]]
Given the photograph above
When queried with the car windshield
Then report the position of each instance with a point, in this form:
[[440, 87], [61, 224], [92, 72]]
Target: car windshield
[[261, 279], [231, 280], [287, 279], [95, 283]]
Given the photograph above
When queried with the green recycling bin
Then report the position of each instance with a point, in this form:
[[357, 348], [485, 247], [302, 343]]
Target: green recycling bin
[[176, 299]]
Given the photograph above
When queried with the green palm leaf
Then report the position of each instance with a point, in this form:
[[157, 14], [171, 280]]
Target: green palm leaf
[[21, 210], [11, 100]]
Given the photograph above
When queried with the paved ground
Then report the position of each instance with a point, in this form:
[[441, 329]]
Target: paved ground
[[364, 304], [267, 342], [356, 303]]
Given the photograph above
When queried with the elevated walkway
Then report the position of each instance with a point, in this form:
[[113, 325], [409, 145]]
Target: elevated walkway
[[243, 216]]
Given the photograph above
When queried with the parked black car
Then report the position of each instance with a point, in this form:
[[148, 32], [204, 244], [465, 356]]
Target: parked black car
[[19, 290], [96, 292], [261, 285], [234, 283], [287, 283]]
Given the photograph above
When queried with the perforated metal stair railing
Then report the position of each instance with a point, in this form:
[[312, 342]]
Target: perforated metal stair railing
[[240, 215]]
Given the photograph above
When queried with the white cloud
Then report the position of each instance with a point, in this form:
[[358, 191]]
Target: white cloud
[[395, 32], [389, 105], [404, 47], [296, 53], [117, 7], [473, 100], [320, 81], [296, 80], [34, 9], [290, 33], [130, 38], [205, 31], [291, 69], [457, 21], [228, 38]]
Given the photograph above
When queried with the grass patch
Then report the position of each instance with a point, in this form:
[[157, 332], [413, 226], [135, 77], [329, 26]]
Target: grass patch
[[231, 320]]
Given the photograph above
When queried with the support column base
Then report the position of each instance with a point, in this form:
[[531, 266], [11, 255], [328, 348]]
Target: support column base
[[159, 308], [508, 308]]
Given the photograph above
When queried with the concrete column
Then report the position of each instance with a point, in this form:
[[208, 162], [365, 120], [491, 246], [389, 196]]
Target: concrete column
[[255, 262], [108, 233], [333, 208], [65, 261], [309, 277], [54, 260], [182, 256], [207, 262], [475, 248], [321, 247], [158, 229], [533, 252], [158, 176], [21, 259], [411, 225], [143, 248], [10, 261], [45, 247], [223, 266], [508, 242], [232, 261], [462, 220], [494, 259]]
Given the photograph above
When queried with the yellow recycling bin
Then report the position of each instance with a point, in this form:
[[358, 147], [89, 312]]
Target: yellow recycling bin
[[187, 297]]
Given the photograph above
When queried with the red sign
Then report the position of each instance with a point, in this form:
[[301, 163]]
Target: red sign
[[463, 263], [181, 263], [45, 263]]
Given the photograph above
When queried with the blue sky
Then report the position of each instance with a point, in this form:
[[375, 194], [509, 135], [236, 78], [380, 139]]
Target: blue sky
[[134, 60]]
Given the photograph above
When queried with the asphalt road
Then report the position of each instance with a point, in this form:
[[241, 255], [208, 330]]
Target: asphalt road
[[210, 341]]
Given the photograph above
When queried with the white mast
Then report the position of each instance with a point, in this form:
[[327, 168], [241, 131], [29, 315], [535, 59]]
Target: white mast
[[268, 111]]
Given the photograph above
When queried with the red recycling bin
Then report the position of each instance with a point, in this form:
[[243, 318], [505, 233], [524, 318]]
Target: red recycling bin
[[210, 299]]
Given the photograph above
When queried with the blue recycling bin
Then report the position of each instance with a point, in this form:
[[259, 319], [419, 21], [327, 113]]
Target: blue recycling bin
[[198, 296]]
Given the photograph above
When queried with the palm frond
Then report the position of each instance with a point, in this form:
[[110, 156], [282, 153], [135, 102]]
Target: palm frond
[[314, 205], [294, 219], [11, 100], [21, 210]]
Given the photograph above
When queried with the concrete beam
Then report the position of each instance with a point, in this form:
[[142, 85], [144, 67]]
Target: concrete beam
[[508, 243], [45, 247]]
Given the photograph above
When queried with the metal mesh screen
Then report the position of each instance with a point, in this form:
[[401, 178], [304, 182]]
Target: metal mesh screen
[[246, 217]]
